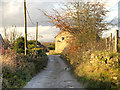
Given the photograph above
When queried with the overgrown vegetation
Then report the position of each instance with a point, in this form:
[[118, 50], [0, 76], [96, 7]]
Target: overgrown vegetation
[[49, 45], [11, 36], [85, 21], [95, 69], [19, 45], [18, 68], [52, 47]]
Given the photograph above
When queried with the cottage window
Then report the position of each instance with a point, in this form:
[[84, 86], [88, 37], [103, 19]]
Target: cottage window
[[63, 38]]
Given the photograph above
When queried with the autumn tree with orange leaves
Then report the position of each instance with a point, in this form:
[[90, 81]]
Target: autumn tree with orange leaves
[[79, 17], [84, 20]]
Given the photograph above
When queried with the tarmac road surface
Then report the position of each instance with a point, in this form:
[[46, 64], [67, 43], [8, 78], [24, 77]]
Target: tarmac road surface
[[55, 75]]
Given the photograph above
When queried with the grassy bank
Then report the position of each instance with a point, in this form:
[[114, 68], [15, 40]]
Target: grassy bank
[[18, 69], [97, 74]]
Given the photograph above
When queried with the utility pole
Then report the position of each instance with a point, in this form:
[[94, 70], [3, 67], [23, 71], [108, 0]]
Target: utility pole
[[110, 42], [25, 26], [36, 35], [116, 40], [106, 43]]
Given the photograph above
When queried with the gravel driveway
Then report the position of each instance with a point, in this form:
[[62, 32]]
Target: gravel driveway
[[55, 75]]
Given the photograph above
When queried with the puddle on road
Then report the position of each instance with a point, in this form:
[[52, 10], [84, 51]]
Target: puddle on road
[[70, 87], [68, 80], [51, 60]]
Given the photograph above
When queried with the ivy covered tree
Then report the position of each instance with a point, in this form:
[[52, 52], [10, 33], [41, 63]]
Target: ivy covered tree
[[19, 45], [32, 44]]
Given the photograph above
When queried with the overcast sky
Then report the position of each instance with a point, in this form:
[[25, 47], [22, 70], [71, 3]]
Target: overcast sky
[[12, 14]]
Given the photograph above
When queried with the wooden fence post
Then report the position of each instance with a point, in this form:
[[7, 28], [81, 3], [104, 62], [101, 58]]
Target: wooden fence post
[[116, 40], [106, 43], [110, 42]]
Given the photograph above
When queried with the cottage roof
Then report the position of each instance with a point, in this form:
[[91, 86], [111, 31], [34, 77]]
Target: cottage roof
[[61, 33], [1, 39]]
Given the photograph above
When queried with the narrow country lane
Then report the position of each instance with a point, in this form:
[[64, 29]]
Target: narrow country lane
[[0, 71], [54, 76]]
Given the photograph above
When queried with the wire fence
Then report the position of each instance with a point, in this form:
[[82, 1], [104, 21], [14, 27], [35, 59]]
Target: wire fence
[[112, 44]]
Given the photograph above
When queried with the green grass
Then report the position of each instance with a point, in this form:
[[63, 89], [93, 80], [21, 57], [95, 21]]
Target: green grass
[[22, 69], [94, 75]]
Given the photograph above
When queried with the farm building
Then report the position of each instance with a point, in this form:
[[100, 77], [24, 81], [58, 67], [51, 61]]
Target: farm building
[[61, 41]]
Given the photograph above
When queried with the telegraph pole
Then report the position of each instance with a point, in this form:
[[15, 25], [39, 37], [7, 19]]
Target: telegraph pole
[[36, 35], [110, 42], [36, 32], [116, 40], [25, 26]]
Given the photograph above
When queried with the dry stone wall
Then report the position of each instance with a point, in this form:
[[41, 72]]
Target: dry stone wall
[[111, 60]]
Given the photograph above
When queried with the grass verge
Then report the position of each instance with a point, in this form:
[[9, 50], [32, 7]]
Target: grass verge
[[95, 75], [18, 69]]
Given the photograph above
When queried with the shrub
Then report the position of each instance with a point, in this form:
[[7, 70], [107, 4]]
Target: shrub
[[97, 74], [19, 69], [51, 48], [19, 45]]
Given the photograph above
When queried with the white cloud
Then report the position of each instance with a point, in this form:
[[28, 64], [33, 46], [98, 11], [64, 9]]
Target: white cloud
[[13, 15], [47, 32], [111, 30], [33, 0], [108, 3], [11, 9]]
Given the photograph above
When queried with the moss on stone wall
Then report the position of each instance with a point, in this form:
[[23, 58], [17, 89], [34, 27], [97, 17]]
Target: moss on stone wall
[[109, 59]]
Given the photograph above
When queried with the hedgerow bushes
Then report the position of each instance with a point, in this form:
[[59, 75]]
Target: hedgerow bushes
[[86, 22], [103, 73], [18, 69]]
